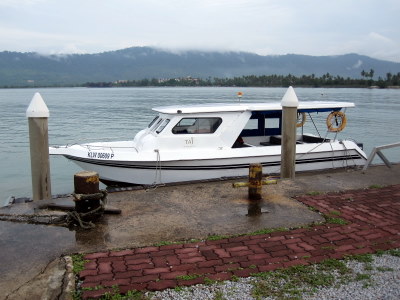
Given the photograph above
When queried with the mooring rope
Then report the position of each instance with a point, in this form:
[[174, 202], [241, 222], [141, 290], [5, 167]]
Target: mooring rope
[[71, 218]]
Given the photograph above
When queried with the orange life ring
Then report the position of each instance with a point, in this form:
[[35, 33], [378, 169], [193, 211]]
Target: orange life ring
[[339, 119], [303, 119]]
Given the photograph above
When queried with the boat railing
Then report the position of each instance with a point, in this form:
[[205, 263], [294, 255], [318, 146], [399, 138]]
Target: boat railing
[[97, 147], [378, 151]]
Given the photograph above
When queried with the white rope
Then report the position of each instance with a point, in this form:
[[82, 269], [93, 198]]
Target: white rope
[[347, 152], [157, 176]]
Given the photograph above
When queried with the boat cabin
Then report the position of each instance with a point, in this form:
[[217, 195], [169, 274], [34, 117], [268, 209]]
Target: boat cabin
[[225, 125]]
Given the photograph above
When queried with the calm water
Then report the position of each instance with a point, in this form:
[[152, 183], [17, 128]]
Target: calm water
[[85, 115]]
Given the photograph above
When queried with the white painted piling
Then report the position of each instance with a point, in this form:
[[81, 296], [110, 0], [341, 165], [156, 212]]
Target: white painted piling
[[289, 105], [38, 114]]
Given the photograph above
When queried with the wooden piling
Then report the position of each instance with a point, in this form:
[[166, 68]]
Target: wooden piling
[[255, 181], [38, 114], [289, 119]]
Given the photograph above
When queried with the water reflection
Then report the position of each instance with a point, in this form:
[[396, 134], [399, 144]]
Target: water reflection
[[94, 239]]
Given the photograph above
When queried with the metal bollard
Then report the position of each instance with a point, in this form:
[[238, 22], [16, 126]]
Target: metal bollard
[[87, 196], [255, 181]]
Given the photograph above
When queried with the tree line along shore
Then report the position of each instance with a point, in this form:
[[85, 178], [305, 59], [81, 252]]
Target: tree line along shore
[[366, 80], [326, 80]]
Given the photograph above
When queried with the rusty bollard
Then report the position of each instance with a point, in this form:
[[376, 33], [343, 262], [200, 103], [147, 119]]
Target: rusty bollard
[[255, 181], [89, 200]]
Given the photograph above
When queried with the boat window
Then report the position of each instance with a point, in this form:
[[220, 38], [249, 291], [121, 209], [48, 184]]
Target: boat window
[[272, 126], [197, 125], [272, 122], [162, 126], [252, 124], [157, 124], [152, 122]]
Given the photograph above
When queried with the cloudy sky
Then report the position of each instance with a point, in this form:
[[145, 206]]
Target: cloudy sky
[[266, 27]]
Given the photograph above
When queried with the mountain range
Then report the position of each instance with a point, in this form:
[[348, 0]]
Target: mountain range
[[27, 69]]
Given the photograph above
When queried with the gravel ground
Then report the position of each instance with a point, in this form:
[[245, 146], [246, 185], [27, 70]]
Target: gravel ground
[[379, 279]]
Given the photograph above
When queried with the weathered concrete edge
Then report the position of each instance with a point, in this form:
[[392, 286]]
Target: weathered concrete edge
[[69, 283]]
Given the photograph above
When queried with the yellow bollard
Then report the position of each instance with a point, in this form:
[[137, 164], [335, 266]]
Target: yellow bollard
[[255, 181]]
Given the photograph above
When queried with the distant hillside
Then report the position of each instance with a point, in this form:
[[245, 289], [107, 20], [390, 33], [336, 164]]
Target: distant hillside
[[24, 69]]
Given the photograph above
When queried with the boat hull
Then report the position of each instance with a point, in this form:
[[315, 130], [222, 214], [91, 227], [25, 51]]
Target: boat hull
[[158, 172]]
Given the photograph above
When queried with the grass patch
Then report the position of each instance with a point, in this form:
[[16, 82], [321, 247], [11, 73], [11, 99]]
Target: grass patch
[[293, 282], [164, 243], [394, 252], [362, 258], [178, 289], [384, 269], [216, 237], [130, 295], [312, 208], [269, 230], [209, 281], [252, 266], [366, 278], [332, 220], [313, 193], [375, 186], [188, 277], [78, 263], [219, 296], [335, 213], [361, 276], [115, 294]]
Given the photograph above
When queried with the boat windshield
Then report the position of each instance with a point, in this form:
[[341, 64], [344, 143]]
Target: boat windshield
[[156, 124], [162, 126], [152, 122]]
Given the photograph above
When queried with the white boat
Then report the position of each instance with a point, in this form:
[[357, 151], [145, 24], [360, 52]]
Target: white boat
[[213, 141]]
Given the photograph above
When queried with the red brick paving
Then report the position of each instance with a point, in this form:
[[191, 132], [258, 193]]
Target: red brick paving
[[373, 218]]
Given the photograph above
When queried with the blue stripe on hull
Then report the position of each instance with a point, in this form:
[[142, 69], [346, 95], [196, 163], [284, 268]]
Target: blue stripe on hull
[[125, 164]]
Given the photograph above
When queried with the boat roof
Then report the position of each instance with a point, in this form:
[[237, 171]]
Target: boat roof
[[242, 106]]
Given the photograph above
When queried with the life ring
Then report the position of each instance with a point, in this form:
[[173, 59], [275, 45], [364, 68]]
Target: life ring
[[338, 125], [303, 119]]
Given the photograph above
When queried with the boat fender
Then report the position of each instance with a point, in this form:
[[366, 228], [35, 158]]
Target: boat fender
[[303, 119], [337, 125]]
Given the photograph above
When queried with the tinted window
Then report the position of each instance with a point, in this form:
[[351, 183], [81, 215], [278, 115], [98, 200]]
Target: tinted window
[[159, 120], [152, 122], [197, 125], [162, 125]]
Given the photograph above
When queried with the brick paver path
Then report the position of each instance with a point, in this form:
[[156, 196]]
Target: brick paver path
[[373, 218]]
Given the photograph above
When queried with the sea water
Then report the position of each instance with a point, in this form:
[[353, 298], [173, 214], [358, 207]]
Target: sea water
[[103, 114]]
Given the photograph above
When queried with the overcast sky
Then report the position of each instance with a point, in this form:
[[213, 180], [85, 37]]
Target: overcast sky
[[266, 27]]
